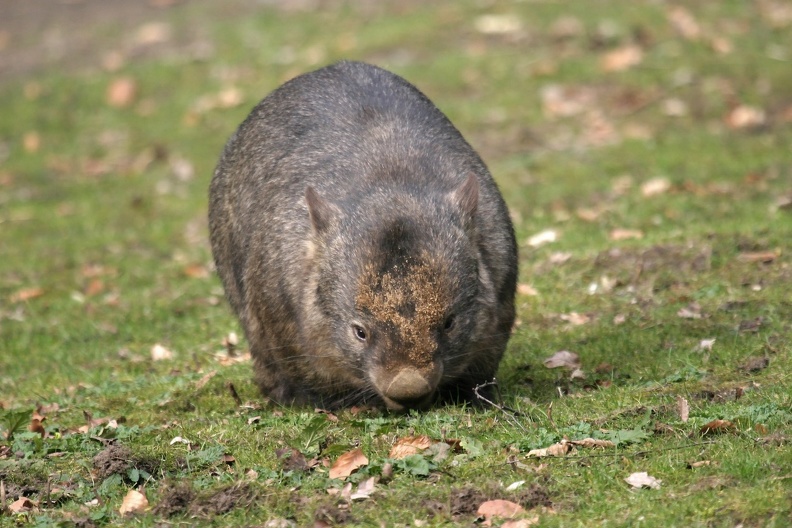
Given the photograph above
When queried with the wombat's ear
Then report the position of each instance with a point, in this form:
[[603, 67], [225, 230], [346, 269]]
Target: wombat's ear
[[466, 197], [320, 210]]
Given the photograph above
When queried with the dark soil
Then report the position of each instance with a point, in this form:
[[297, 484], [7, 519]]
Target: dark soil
[[175, 500], [117, 459]]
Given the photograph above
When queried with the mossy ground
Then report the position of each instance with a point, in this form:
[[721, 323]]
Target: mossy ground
[[666, 177]]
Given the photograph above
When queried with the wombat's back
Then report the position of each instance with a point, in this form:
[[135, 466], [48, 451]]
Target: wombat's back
[[368, 142]]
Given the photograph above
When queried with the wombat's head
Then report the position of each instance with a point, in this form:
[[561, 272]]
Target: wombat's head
[[399, 286]]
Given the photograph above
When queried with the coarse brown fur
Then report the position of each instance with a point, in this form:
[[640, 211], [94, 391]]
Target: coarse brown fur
[[362, 243]]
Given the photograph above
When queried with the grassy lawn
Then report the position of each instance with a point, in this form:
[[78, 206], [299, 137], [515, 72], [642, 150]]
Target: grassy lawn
[[644, 150]]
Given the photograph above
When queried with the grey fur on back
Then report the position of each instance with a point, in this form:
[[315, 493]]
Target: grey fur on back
[[388, 172]]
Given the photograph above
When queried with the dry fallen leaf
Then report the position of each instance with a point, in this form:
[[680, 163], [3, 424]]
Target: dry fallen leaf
[[159, 352], [364, 489], [205, 379], [691, 311], [347, 463], [26, 294], [621, 58], [153, 33], [700, 463], [592, 442], [655, 186], [36, 426], [566, 101], [718, 427], [683, 409], [706, 344], [134, 502], [31, 142], [543, 237], [499, 508], [684, 23], [498, 24], [559, 449], [643, 480], [410, 445], [197, 271], [521, 523], [21, 505], [765, 257], [527, 289], [563, 358], [744, 116], [121, 92], [625, 234], [575, 318], [755, 364]]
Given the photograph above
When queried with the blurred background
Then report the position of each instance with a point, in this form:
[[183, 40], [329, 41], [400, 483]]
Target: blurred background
[[606, 123]]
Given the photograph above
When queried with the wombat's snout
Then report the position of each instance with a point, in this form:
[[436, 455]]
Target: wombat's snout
[[408, 387]]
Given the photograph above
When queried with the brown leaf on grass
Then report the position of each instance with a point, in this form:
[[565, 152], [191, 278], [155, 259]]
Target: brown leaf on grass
[[563, 358], [410, 445], [575, 318], [347, 463], [691, 311], [499, 508], [755, 364], [121, 92], [566, 101], [205, 379], [153, 33], [94, 287], [134, 502], [718, 427], [775, 439], [521, 523], [558, 449], [592, 442], [21, 505], [765, 257], [498, 24], [643, 480], [744, 116], [625, 234], [684, 22], [331, 417], [622, 58], [31, 142], [26, 294], [36, 426], [700, 463], [706, 345], [364, 489], [721, 45], [590, 214], [196, 271], [527, 289], [683, 409], [655, 186], [543, 237], [159, 353]]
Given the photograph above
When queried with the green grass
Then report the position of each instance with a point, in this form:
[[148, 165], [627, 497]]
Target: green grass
[[99, 219]]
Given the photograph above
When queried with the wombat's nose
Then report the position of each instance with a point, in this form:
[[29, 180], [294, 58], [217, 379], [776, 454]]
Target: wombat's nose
[[409, 387]]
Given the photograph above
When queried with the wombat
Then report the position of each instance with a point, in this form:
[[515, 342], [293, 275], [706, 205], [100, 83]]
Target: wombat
[[363, 244]]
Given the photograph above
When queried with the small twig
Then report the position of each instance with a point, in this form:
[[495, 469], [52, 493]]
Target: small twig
[[549, 415], [637, 453], [510, 413], [234, 394]]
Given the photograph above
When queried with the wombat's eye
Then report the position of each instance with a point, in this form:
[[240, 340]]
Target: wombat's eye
[[449, 323], [359, 332]]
